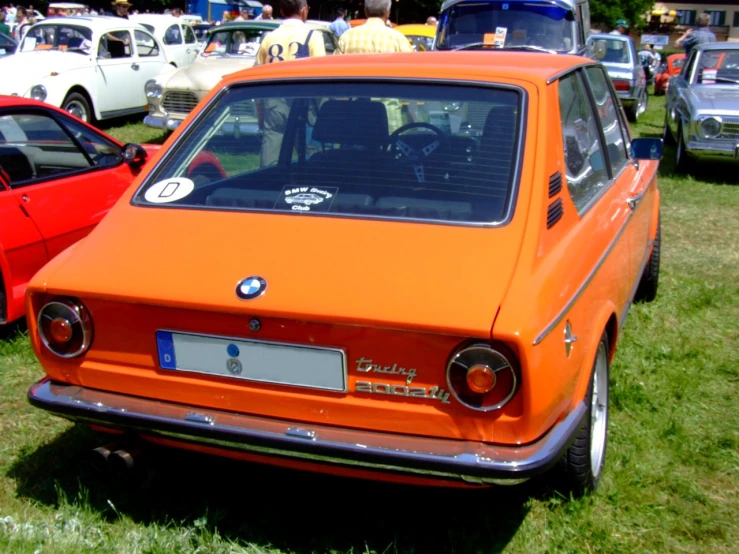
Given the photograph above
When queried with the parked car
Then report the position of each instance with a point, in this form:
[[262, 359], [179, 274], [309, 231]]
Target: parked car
[[557, 26], [250, 335], [7, 45], [419, 35], [618, 54], [702, 106], [669, 68], [92, 67], [177, 37], [172, 95], [58, 178]]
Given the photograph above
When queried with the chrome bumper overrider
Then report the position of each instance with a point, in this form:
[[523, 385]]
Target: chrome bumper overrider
[[472, 462], [161, 122]]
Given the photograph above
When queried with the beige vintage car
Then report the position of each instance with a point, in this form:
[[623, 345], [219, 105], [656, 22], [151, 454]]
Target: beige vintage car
[[230, 47]]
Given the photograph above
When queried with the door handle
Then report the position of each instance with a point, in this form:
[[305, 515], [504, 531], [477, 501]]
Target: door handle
[[25, 198], [135, 66], [188, 50], [633, 201]]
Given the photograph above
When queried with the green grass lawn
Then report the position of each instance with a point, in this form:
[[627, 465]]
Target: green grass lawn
[[670, 483]]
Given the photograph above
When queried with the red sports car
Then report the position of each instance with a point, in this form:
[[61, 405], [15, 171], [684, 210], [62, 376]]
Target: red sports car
[[58, 178], [670, 68]]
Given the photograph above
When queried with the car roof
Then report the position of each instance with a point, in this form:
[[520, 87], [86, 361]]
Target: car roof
[[565, 4], [477, 66], [609, 36], [98, 23], [249, 24], [420, 29], [718, 46]]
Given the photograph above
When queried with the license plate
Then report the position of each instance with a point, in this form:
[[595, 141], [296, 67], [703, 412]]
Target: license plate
[[283, 364]]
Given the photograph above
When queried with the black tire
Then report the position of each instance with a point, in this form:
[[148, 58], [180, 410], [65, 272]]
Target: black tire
[[667, 137], [683, 164], [649, 282], [78, 105], [582, 465], [631, 112]]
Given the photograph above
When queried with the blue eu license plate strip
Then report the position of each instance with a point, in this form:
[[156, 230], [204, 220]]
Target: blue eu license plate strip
[[165, 344]]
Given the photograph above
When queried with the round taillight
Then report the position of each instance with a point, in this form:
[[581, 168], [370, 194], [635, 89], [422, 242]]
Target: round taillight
[[65, 327], [481, 377]]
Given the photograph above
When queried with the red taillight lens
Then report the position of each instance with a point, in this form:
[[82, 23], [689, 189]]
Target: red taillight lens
[[482, 377], [65, 327], [621, 84]]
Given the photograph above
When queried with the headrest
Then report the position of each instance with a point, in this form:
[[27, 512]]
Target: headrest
[[15, 164], [500, 124], [357, 122]]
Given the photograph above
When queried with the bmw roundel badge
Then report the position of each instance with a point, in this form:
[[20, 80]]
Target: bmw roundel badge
[[251, 288]]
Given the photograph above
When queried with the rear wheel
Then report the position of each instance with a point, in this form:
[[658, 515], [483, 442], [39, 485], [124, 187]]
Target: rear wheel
[[76, 104], [583, 463]]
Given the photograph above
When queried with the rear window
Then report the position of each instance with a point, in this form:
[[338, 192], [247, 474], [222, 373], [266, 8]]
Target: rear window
[[359, 149]]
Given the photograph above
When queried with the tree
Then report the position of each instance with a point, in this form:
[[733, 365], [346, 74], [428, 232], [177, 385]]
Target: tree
[[604, 13]]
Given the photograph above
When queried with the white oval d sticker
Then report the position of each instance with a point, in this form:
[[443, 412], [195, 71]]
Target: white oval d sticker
[[169, 190]]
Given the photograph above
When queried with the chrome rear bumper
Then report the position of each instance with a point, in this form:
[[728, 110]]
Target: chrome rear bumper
[[471, 462]]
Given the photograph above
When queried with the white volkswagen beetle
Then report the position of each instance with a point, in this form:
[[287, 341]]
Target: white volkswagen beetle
[[93, 67], [179, 40]]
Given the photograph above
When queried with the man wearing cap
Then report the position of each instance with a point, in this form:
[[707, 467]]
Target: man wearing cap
[[622, 28], [244, 16], [121, 8], [339, 26]]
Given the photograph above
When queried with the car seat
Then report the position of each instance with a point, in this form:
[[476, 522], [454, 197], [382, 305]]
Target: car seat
[[15, 164]]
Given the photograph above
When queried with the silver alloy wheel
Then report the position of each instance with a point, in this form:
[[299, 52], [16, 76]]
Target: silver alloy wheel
[[78, 110], [599, 411], [642, 104]]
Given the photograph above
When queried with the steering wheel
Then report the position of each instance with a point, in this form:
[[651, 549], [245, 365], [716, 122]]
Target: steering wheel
[[405, 153]]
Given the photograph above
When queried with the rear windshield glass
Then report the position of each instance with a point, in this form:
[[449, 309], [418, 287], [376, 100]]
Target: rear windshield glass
[[515, 25], [440, 153]]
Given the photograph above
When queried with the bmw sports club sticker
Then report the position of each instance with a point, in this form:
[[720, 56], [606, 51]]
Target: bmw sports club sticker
[[169, 190], [307, 199]]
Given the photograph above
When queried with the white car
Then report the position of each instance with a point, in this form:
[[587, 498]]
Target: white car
[[92, 67], [179, 40]]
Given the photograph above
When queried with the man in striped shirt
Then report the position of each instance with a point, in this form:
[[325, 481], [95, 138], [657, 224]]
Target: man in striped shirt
[[375, 37], [292, 40]]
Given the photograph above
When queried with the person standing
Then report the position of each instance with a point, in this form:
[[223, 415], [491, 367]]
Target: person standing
[[701, 35], [292, 40], [4, 29], [375, 37], [339, 26], [266, 14], [622, 27], [121, 8], [244, 15]]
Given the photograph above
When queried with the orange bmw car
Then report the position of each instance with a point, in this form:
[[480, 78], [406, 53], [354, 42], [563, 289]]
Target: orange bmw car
[[362, 281]]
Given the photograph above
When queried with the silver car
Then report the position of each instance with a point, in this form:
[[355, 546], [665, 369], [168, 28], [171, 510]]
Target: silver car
[[618, 54], [702, 113]]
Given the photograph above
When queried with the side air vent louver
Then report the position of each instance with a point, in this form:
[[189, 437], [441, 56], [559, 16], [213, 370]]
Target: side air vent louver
[[554, 212], [555, 184]]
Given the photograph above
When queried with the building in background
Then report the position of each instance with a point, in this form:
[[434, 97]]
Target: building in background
[[218, 10], [675, 18]]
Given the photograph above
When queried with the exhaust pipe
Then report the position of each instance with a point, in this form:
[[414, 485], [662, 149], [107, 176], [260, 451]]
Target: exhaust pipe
[[124, 460], [100, 456]]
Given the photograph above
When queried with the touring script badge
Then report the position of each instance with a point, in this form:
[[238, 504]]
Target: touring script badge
[[366, 366]]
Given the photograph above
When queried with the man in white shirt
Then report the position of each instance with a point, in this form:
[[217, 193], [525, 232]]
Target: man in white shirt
[[266, 13]]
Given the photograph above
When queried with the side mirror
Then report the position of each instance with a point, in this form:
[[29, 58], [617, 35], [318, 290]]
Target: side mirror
[[134, 155], [647, 148]]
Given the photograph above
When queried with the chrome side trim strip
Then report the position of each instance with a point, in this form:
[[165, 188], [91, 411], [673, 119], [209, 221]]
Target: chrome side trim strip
[[440, 458]]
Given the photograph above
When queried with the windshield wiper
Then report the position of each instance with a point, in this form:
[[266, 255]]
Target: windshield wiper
[[530, 47]]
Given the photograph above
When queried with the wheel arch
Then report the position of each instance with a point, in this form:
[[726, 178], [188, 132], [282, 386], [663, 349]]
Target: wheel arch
[[605, 321], [79, 89]]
